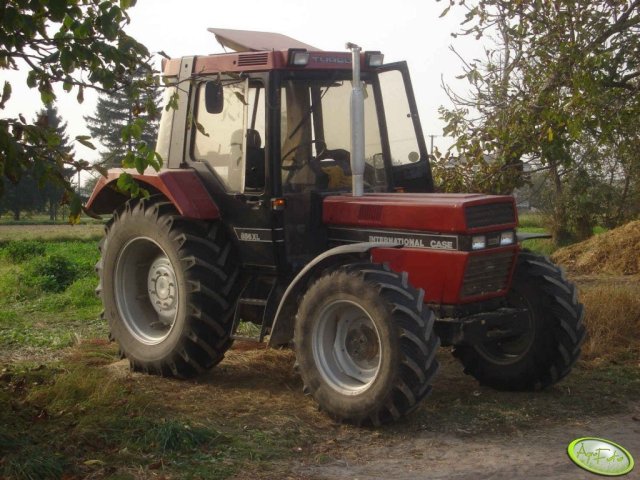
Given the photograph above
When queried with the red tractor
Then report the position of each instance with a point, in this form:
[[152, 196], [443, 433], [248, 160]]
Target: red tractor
[[296, 198]]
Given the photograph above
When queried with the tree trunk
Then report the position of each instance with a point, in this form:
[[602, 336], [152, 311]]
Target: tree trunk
[[561, 234]]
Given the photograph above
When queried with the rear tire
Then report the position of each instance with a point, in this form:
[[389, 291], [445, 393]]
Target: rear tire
[[547, 351], [168, 286], [365, 345]]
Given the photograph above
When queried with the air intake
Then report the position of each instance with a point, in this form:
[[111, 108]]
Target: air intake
[[490, 214], [253, 59]]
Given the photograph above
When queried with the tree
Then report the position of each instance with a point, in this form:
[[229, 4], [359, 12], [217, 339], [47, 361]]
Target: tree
[[77, 44], [558, 89], [50, 194], [114, 111], [20, 197]]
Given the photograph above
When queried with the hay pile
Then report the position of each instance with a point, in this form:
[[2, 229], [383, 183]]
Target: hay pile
[[616, 252]]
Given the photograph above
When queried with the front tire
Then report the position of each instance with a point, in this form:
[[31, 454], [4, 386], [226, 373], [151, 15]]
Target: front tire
[[168, 286], [550, 346], [365, 345]]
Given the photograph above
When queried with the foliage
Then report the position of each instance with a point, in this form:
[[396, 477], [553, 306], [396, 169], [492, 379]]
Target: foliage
[[557, 91], [53, 273], [17, 252], [77, 44], [118, 109]]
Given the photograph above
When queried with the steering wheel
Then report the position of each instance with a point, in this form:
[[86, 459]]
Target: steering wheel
[[294, 165]]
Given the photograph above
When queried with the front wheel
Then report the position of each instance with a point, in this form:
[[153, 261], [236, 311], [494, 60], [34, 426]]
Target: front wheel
[[550, 342], [365, 344]]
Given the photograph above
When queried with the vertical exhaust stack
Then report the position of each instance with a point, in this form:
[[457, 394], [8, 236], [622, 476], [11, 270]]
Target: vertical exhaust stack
[[357, 124]]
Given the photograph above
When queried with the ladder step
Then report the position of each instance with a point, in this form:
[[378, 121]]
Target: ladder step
[[253, 301]]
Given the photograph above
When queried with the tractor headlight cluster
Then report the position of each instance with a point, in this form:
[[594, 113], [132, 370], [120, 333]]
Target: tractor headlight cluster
[[478, 242], [373, 59], [298, 57], [506, 238], [492, 240]]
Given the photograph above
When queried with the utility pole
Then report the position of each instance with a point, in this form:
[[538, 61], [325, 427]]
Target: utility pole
[[432, 137]]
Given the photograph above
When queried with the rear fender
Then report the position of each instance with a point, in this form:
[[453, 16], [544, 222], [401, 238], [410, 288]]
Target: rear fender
[[183, 188], [284, 320]]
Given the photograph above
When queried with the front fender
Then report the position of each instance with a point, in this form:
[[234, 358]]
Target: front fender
[[284, 320], [183, 188]]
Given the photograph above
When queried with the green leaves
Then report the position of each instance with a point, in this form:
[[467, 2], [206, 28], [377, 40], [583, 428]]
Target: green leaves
[[85, 140], [6, 94]]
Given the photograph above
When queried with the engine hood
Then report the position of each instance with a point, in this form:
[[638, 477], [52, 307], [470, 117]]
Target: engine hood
[[430, 212]]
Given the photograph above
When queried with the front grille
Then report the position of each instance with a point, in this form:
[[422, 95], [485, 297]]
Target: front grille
[[490, 214], [253, 59], [486, 274]]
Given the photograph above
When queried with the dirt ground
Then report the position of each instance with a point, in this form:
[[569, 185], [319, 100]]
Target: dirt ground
[[536, 454], [453, 436]]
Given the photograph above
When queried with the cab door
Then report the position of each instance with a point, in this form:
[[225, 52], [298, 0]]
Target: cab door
[[406, 152], [228, 150]]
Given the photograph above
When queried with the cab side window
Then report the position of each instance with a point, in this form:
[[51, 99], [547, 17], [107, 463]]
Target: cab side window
[[220, 138]]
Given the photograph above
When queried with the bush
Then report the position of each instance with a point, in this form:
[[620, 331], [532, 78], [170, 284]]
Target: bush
[[53, 273], [20, 251]]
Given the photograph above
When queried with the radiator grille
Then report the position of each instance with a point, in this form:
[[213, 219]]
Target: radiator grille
[[252, 59], [491, 214], [487, 274]]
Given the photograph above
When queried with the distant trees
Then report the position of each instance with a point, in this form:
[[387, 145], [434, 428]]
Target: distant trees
[[558, 89], [118, 109], [31, 192]]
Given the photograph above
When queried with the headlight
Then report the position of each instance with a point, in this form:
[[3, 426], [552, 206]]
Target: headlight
[[506, 238], [298, 57], [373, 59], [478, 242]]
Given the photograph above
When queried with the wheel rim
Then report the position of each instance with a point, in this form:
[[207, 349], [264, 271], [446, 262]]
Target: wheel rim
[[346, 347], [511, 350], [146, 290]]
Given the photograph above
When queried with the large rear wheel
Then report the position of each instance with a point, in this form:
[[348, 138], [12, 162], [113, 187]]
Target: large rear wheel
[[168, 286], [548, 345], [365, 344]]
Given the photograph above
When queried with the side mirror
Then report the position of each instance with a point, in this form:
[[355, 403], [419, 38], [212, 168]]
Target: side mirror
[[213, 97]]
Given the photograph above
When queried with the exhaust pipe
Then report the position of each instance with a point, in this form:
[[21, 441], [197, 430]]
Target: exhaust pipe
[[357, 124]]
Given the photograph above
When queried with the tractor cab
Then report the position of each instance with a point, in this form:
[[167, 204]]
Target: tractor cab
[[275, 126]]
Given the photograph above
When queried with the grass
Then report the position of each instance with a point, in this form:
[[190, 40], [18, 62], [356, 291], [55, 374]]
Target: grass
[[82, 418], [48, 298], [536, 223], [88, 232], [533, 222], [42, 219]]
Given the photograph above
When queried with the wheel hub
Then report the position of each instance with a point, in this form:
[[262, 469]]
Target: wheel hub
[[362, 344], [346, 347], [161, 283]]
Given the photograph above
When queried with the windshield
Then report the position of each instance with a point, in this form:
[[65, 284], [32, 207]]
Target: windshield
[[316, 136]]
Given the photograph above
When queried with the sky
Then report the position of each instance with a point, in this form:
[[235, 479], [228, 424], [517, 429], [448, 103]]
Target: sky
[[408, 30]]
